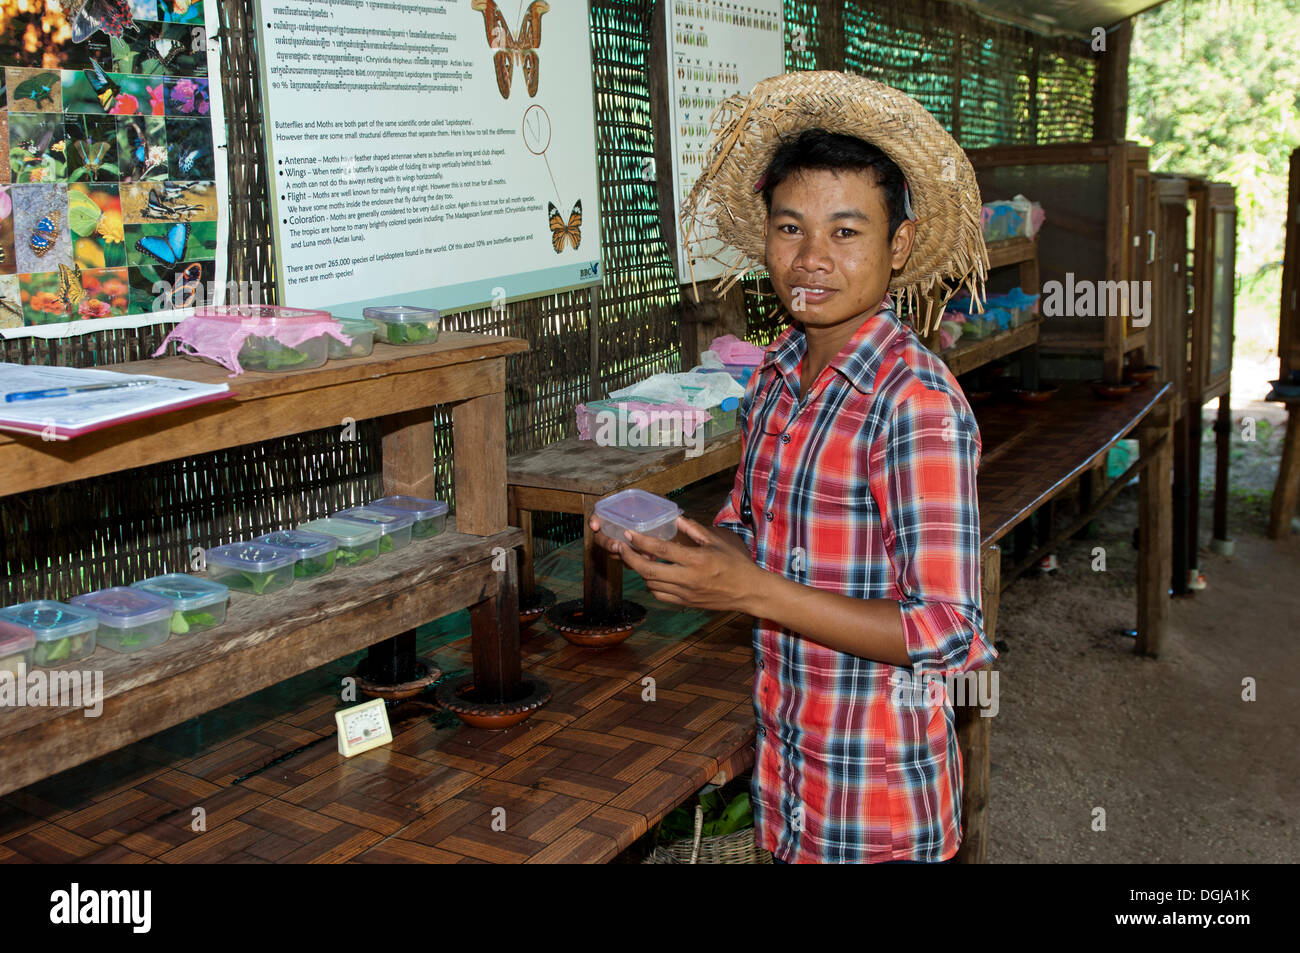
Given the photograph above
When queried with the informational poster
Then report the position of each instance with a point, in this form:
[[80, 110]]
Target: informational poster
[[112, 197], [716, 49], [437, 154]]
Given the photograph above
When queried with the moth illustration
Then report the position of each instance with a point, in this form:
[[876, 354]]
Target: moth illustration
[[511, 49], [562, 231]]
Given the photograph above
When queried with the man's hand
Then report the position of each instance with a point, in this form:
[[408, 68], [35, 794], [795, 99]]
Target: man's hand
[[714, 571]]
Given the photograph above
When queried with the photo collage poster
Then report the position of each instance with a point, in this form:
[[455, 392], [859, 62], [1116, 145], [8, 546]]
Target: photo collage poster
[[109, 206]]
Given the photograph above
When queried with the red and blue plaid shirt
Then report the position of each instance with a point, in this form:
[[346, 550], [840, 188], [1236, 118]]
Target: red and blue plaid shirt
[[865, 486]]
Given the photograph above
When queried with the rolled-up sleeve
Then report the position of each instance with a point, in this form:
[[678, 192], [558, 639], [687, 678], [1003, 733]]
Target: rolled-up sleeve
[[931, 519]]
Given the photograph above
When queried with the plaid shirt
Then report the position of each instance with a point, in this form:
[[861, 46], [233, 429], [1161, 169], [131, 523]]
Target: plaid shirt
[[864, 487]]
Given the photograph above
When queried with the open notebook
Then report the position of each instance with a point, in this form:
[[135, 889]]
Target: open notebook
[[61, 418]]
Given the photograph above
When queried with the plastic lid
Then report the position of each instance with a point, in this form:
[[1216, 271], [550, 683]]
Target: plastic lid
[[355, 325], [123, 607], [183, 591], [638, 510], [349, 533], [50, 621], [403, 314], [418, 507], [259, 313], [252, 556], [388, 521], [15, 638], [305, 544], [729, 403]]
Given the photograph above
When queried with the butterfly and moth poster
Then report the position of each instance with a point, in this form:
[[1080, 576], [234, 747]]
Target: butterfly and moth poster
[[112, 192], [715, 49], [440, 155]]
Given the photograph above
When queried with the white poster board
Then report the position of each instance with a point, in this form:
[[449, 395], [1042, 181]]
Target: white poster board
[[716, 49], [434, 153]]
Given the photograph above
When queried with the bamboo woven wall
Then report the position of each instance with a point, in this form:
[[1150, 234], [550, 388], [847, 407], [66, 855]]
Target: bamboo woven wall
[[988, 84]]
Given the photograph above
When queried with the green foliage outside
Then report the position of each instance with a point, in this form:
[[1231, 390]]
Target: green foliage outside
[[1214, 90]]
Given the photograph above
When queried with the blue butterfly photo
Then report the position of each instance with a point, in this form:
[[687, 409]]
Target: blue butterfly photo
[[169, 248], [189, 149]]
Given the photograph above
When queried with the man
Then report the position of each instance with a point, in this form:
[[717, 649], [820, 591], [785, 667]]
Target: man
[[852, 532]]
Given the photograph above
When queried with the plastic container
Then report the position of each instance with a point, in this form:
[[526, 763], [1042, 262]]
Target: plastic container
[[723, 418], [395, 526], [430, 515], [16, 645], [129, 619], [316, 552], [638, 431], [263, 351], [741, 372], [639, 511], [362, 333], [197, 604], [253, 567], [63, 633], [405, 324], [358, 542]]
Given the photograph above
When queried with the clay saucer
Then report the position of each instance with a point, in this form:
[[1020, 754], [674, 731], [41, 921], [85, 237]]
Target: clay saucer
[[1142, 375], [1040, 396], [533, 609], [426, 674], [570, 619], [458, 697], [1111, 391]]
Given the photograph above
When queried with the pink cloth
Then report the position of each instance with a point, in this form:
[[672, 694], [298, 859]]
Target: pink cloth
[[640, 413], [732, 350], [218, 337]]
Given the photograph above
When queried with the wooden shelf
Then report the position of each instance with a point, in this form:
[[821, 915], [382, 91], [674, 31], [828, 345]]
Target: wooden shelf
[[263, 641], [1012, 251], [965, 356]]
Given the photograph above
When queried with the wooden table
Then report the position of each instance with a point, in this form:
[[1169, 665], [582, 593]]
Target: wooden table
[[1286, 493], [319, 620], [1031, 454], [570, 476]]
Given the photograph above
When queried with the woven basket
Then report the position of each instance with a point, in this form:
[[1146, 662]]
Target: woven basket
[[737, 847]]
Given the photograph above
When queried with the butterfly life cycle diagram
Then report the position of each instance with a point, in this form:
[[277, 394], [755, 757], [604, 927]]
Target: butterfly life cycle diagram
[[112, 198], [450, 162]]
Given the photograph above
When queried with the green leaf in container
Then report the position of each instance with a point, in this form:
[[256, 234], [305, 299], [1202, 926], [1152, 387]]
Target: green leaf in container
[[83, 214]]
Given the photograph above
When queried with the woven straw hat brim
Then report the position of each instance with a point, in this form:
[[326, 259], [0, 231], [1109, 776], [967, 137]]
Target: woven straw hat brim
[[948, 252]]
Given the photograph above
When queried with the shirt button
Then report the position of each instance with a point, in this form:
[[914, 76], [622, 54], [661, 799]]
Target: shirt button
[[785, 438], [762, 664], [762, 731], [770, 516]]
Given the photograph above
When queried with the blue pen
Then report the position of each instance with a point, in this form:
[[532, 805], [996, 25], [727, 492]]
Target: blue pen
[[67, 391]]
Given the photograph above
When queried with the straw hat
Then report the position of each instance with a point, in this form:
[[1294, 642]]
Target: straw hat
[[726, 202]]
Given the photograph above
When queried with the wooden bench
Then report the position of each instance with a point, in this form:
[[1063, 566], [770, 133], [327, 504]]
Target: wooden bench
[[570, 476], [268, 640]]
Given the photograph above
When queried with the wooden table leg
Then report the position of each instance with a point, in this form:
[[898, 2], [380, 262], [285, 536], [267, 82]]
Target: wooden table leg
[[1182, 554], [1155, 531], [494, 640], [602, 573], [479, 438], [974, 730], [1222, 449], [409, 449], [524, 520], [1195, 436], [1287, 492]]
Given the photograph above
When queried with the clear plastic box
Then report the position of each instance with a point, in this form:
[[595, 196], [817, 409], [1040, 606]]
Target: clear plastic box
[[395, 526], [253, 567], [63, 633], [639, 511], [362, 333], [316, 552], [405, 324], [358, 542], [130, 620], [741, 372], [16, 645], [197, 604], [430, 515], [264, 352]]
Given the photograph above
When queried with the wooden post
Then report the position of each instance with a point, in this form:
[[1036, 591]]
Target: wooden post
[[1110, 89], [409, 451], [1287, 492], [1155, 530], [973, 730], [1222, 448], [602, 573], [494, 640], [479, 438]]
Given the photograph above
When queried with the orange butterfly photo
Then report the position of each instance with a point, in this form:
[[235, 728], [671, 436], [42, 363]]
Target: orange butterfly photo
[[561, 230], [509, 49]]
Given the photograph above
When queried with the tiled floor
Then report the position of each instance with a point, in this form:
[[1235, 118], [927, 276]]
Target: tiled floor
[[261, 780]]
